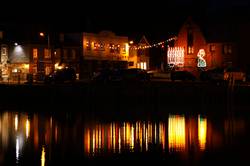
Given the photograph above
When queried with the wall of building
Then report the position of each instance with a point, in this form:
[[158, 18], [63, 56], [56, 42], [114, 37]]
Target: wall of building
[[103, 50], [190, 60], [105, 46]]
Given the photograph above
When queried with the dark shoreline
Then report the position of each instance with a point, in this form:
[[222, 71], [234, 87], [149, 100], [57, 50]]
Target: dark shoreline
[[148, 97]]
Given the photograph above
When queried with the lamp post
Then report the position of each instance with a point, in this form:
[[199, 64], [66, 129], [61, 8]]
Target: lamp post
[[42, 34], [48, 39]]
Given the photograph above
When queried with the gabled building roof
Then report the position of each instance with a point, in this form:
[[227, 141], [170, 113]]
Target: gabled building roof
[[214, 31], [144, 41], [141, 40]]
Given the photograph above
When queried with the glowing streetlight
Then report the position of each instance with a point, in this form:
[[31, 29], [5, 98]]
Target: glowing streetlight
[[41, 34]]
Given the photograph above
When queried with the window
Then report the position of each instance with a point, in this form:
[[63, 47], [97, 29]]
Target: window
[[144, 65], [190, 49], [124, 49], [88, 45], [4, 51], [141, 52], [130, 63], [65, 53], [46, 53], [34, 69], [190, 41], [117, 49], [96, 46], [102, 47], [73, 54], [35, 53], [112, 48], [227, 49], [212, 48], [48, 70]]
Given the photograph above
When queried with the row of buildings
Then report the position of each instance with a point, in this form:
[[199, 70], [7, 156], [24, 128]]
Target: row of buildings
[[196, 48], [85, 52]]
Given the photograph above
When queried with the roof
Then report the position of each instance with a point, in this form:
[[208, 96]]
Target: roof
[[141, 40], [215, 31]]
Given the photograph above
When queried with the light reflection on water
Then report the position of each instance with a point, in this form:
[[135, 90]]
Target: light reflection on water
[[117, 137], [44, 135]]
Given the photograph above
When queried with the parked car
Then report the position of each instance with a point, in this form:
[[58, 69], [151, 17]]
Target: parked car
[[135, 74], [234, 73], [121, 75], [61, 75], [106, 75], [182, 75], [216, 74]]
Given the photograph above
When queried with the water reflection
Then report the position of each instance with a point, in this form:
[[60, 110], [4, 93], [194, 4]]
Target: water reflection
[[16, 122], [27, 127], [43, 157], [176, 133], [143, 136], [202, 132], [43, 135]]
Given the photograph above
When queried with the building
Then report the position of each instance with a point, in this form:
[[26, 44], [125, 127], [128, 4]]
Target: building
[[43, 53], [68, 51], [200, 48], [139, 54], [23, 56], [103, 50]]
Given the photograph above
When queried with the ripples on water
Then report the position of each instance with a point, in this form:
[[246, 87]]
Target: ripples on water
[[46, 139]]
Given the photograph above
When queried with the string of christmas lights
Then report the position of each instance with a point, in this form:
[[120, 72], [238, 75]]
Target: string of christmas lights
[[153, 45]]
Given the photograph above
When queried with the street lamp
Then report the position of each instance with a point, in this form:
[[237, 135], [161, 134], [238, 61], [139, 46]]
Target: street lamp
[[42, 34]]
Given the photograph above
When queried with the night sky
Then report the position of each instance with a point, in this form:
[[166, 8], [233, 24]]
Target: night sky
[[156, 19]]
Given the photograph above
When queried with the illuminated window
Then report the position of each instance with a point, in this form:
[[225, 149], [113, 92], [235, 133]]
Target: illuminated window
[[96, 46], [227, 49], [124, 49], [190, 49], [117, 49], [34, 69], [4, 51], [35, 53], [88, 45], [145, 66], [102, 47], [138, 65], [130, 63], [112, 48], [190, 42], [142, 64], [48, 70], [46, 53], [212, 48]]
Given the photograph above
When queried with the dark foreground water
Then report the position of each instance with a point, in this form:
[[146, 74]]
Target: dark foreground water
[[66, 138]]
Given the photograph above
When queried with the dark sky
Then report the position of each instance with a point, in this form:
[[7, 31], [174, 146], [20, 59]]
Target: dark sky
[[156, 19]]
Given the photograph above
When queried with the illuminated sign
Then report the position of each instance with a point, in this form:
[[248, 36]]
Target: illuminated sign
[[176, 56], [201, 60]]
